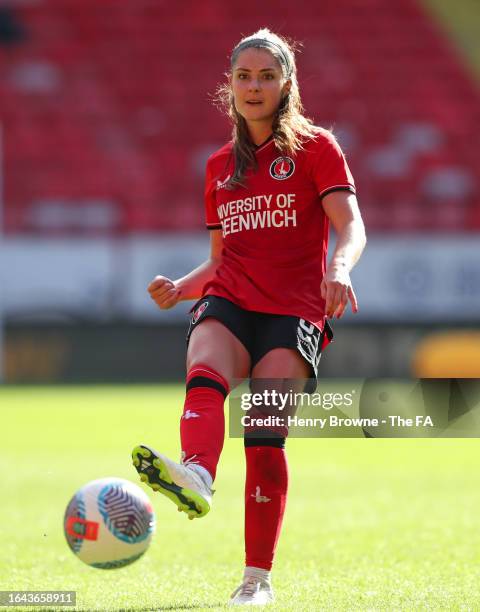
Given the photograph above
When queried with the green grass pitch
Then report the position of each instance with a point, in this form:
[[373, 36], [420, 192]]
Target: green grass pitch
[[370, 524]]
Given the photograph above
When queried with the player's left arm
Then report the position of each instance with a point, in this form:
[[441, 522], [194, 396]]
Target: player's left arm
[[341, 207]]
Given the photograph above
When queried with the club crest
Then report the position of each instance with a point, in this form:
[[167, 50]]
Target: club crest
[[282, 168], [198, 313]]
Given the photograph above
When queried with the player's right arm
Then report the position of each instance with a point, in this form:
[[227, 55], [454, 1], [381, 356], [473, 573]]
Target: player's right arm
[[166, 293]]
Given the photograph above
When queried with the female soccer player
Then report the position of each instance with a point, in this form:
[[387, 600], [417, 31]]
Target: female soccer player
[[265, 292]]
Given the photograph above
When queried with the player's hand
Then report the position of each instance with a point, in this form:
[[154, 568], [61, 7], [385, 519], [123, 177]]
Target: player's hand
[[337, 291], [164, 292]]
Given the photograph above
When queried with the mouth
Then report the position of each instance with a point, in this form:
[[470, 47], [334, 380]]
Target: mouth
[[254, 102]]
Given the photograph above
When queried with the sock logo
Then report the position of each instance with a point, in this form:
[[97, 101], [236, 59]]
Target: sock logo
[[260, 498], [188, 414]]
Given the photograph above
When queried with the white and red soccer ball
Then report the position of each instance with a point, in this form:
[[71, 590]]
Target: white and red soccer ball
[[109, 523]]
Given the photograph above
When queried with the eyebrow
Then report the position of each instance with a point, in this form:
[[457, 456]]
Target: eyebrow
[[262, 70]]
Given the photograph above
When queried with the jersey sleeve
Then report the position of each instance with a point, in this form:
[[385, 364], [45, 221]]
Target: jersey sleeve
[[330, 168], [212, 220]]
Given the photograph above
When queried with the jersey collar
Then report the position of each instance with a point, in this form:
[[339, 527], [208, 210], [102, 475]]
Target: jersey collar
[[264, 144]]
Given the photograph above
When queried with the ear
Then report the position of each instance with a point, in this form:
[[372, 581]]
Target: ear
[[287, 87]]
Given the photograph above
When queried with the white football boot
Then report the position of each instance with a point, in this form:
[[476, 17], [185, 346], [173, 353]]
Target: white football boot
[[252, 592], [178, 481]]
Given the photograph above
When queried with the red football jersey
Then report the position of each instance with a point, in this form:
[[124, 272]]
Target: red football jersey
[[275, 230]]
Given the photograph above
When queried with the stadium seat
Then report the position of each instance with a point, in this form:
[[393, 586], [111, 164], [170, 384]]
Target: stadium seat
[[109, 102]]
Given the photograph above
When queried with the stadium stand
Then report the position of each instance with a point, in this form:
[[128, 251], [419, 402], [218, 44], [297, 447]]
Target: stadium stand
[[107, 118], [461, 20]]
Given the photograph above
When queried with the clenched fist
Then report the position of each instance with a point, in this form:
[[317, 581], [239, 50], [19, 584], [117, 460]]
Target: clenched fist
[[164, 292]]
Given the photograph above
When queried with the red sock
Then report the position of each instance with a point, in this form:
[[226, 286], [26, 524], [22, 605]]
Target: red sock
[[265, 497], [202, 425]]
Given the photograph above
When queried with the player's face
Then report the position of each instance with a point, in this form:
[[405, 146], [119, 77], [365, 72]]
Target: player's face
[[258, 85]]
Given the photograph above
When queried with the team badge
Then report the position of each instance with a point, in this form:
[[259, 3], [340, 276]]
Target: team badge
[[198, 313], [282, 168]]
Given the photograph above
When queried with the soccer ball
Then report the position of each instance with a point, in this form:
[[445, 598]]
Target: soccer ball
[[109, 523]]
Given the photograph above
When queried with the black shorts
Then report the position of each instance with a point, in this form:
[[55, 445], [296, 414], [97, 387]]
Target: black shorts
[[261, 332]]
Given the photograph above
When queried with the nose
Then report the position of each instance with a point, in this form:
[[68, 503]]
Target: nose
[[254, 85]]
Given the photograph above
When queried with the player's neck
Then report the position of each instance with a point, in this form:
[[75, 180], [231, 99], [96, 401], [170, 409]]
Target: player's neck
[[260, 133]]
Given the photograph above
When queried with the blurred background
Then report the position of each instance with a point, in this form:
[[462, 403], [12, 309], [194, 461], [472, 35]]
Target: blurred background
[[106, 122]]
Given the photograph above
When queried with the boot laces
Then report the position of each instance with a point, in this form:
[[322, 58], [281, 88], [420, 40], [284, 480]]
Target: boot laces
[[249, 587]]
